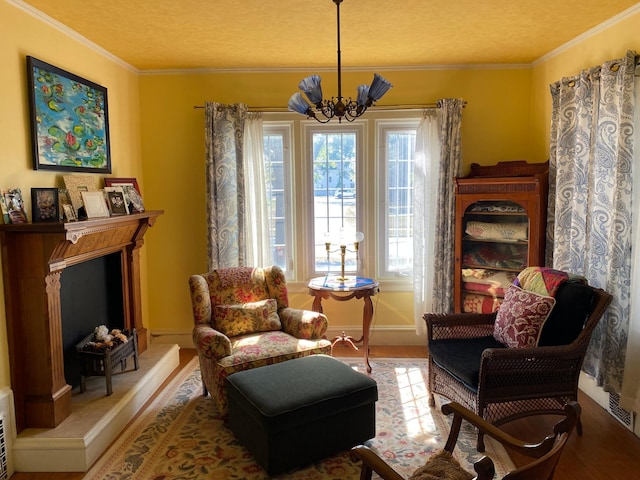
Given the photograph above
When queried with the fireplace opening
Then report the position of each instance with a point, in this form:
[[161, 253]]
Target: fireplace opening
[[91, 294]]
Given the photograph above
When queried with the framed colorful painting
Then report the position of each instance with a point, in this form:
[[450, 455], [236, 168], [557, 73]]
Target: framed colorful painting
[[69, 120]]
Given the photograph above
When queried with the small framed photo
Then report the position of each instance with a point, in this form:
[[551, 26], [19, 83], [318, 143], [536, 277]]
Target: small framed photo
[[15, 205], [131, 191], [94, 204], [116, 201], [69, 213], [44, 205], [119, 182], [5, 210], [66, 206]]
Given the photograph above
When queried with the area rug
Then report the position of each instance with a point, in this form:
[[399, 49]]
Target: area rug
[[181, 436]]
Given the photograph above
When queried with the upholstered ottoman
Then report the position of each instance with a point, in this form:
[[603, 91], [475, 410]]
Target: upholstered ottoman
[[296, 412]]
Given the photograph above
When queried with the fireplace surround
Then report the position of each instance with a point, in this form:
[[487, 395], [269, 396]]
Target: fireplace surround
[[34, 257]]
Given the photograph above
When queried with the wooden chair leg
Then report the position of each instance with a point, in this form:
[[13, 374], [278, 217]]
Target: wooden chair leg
[[480, 446]]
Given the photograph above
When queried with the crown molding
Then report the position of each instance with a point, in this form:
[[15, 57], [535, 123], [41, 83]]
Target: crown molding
[[589, 33], [307, 70], [71, 33]]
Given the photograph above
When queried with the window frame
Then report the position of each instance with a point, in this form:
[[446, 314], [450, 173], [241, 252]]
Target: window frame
[[286, 129], [382, 127], [307, 129]]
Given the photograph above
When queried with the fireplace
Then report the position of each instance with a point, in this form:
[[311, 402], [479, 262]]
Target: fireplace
[[51, 273], [90, 295]]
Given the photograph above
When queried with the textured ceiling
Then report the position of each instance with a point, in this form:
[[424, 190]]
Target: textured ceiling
[[254, 34]]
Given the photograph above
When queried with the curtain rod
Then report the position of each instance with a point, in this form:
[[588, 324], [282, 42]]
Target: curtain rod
[[377, 107]]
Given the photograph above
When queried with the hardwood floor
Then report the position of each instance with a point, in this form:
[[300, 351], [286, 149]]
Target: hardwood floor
[[605, 450]]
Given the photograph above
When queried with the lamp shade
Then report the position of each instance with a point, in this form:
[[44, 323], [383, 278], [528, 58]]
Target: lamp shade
[[363, 94], [311, 88], [378, 87], [298, 104]]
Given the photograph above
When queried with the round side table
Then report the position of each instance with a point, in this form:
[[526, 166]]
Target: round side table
[[331, 286]]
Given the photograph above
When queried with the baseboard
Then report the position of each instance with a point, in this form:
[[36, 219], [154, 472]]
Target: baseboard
[[385, 335], [96, 420], [609, 402]]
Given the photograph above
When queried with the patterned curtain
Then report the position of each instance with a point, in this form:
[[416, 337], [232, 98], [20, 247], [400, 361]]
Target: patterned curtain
[[450, 119], [630, 396], [425, 173], [590, 192], [224, 127]]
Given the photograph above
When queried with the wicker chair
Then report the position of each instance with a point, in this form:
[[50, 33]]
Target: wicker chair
[[469, 366], [546, 454]]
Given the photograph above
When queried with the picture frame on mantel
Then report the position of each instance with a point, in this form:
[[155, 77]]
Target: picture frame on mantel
[[45, 206], [69, 120], [116, 201], [131, 190], [95, 204], [75, 185]]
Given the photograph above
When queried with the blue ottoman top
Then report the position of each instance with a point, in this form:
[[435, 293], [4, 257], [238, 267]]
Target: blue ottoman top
[[318, 384]]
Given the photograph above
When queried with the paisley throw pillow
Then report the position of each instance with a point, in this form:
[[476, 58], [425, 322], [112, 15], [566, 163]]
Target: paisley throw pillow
[[521, 316]]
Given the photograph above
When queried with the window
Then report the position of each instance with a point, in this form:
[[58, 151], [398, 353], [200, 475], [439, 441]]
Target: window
[[397, 150], [277, 158], [341, 189], [333, 155]]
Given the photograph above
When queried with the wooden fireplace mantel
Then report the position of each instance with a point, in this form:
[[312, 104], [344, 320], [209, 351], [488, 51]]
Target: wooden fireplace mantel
[[33, 258]]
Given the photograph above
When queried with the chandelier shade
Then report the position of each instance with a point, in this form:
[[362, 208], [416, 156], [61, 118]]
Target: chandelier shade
[[338, 107], [312, 89]]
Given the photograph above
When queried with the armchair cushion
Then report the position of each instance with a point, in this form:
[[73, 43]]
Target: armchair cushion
[[461, 356], [250, 317], [521, 316]]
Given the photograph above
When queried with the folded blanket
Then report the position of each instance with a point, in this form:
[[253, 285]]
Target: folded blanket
[[544, 280]]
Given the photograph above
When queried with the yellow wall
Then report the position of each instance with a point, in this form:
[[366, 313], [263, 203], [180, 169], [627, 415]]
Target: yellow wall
[[23, 35], [495, 128], [607, 44]]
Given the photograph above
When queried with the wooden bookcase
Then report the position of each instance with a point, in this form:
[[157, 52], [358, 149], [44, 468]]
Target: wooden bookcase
[[501, 214]]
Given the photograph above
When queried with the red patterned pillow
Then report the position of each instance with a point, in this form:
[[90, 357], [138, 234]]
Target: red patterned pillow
[[521, 316]]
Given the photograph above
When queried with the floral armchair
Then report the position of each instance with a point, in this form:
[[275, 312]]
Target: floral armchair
[[243, 320]]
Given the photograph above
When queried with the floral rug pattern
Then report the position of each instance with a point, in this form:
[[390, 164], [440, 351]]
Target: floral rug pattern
[[180, 436]]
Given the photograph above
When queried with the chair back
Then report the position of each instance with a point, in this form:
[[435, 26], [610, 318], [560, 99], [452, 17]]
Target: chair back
[[236, 285], [577, 306]]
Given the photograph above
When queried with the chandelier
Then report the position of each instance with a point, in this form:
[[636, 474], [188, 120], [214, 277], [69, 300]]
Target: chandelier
[[338, 107]]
